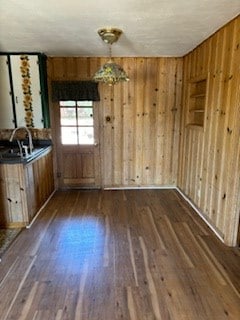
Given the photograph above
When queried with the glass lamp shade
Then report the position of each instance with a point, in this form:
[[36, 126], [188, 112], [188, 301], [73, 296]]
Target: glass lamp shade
[[110, 73]]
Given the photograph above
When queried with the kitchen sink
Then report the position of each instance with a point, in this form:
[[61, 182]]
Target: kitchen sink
[[13, 154]]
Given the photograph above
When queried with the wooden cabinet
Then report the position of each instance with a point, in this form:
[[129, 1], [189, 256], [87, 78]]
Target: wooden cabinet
[[197, 92], [24, 189], [23, 91]]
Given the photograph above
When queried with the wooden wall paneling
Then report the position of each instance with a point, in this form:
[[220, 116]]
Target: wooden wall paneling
[[231, 170], [54, 115], [133, 89], [193, 64], [107, 110], [206, 171], [154, 106], [161, 94], [233, 228], [207, 163], [195, 162], [217, 152], [58, 69], [183, 133], [117, 132], [130, 67], [166, 135], [140, 72], [133, 140], [71, 71], [171, 120], [201, 60], [84, 69], [166, 124], [206, 48], [148, 123], [220, 136], [127, 126], [192, 162], [189, 160], [198, 188], [177, 109], [212, 182], [213, 127], [94, 65]]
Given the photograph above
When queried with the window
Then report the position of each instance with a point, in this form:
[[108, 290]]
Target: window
[[76, 122]]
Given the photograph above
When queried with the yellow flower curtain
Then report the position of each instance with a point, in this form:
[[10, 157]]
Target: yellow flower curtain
[[27, 93]]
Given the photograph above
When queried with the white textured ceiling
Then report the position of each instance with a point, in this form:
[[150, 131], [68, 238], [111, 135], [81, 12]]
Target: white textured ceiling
[[151, 27]]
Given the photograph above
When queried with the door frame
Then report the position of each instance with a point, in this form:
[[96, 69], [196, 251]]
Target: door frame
[[58, 158]]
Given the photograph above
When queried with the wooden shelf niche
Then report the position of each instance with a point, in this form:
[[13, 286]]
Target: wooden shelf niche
[[197, 92]]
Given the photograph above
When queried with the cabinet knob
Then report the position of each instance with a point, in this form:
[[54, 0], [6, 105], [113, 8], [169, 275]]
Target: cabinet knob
[[16, 99]]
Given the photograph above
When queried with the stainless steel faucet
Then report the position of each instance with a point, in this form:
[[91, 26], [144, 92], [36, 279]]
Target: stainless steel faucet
[[30, 143]]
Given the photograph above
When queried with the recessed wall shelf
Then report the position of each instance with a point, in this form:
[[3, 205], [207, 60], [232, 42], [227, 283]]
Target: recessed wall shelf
[[197, 91]]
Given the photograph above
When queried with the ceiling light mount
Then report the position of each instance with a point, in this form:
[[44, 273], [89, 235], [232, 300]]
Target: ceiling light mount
[[110, 35]]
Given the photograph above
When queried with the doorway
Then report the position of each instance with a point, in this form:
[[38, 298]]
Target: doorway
[[78, 156]]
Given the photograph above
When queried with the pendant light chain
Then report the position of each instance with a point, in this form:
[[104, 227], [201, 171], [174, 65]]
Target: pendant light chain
[[110, 51]]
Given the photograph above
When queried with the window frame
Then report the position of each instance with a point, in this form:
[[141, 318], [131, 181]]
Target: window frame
[[76, 105]]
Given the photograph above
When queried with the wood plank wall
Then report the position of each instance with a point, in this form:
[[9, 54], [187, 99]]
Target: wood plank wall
[[139, 146], [209, 169]]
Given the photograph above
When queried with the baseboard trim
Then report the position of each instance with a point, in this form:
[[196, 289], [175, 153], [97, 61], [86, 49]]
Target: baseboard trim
[[140, 187], [200, 214], [173, 187]]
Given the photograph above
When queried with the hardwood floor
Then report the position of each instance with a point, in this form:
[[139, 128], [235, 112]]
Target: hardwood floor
[[136, 254]]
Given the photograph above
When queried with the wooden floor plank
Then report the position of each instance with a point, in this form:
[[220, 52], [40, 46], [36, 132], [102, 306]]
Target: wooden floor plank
[[111, 255]]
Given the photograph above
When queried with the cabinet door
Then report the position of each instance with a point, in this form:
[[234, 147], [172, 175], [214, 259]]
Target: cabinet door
[[6, 108], [27, 91]]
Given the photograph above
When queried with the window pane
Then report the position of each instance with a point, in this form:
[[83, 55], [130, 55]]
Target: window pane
[[68, 103], [69, 135], [68, 117], [86, 135], [84, 103], [85, 116]]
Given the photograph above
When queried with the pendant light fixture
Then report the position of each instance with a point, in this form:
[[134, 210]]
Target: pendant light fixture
[[110, 72]]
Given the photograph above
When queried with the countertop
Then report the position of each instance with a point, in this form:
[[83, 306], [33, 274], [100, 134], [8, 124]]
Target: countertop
[[9, 153]]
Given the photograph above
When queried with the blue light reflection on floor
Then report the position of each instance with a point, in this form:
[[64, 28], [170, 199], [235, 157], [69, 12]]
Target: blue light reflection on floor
[[79, 239]]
